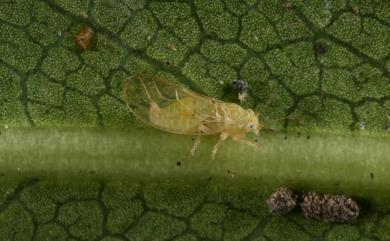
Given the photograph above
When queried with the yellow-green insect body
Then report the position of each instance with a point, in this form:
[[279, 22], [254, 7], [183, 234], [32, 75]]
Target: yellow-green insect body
[[175, 109]]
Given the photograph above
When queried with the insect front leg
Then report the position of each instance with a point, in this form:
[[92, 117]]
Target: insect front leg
[[250, 143], [222, 138], [239, 136], [196, 145]]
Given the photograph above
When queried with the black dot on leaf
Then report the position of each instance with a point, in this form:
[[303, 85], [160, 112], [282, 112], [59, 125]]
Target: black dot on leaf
[[372, 175], [308, 137], [285, 137], [178, 163]]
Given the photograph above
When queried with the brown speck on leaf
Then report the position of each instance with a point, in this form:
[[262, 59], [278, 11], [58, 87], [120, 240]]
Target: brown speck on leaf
[[172, 47], [355, 9], [339, 209], [282, 201], [311, 205], [84, 39], [84, 15]]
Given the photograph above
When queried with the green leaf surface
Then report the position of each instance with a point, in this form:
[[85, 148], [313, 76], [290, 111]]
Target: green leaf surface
[[318, 72]]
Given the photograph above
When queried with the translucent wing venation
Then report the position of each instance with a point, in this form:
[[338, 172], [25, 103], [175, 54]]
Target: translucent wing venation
[[172, 108]]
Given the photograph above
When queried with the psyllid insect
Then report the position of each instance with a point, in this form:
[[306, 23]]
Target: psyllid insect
[[172, 108]]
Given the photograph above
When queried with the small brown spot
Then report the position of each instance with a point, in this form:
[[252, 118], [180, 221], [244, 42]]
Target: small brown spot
[[172, 47], [178, 163], [84, 39], [355, 9], [84, 15]]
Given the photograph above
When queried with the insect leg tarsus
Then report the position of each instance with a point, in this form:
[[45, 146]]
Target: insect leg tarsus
[[222, 138], [250, 143], [196, 145]]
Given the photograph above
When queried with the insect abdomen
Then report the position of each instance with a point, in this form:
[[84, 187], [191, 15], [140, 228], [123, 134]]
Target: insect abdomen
[[185, 114]]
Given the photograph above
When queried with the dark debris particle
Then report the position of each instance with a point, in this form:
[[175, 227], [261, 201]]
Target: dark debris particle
[[240, 85], [285, 137], [282, 201], [320, 48], [209, 179], [256, 140], [228, 171], [2, 174], [178, 163], [193, 138], [299, 134], [330, 208], [339, 209], [311, 205], [372, 175], [167, 63], [307, 137]]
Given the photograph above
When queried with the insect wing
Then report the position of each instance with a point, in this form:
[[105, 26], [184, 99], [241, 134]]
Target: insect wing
[[170, 107]]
